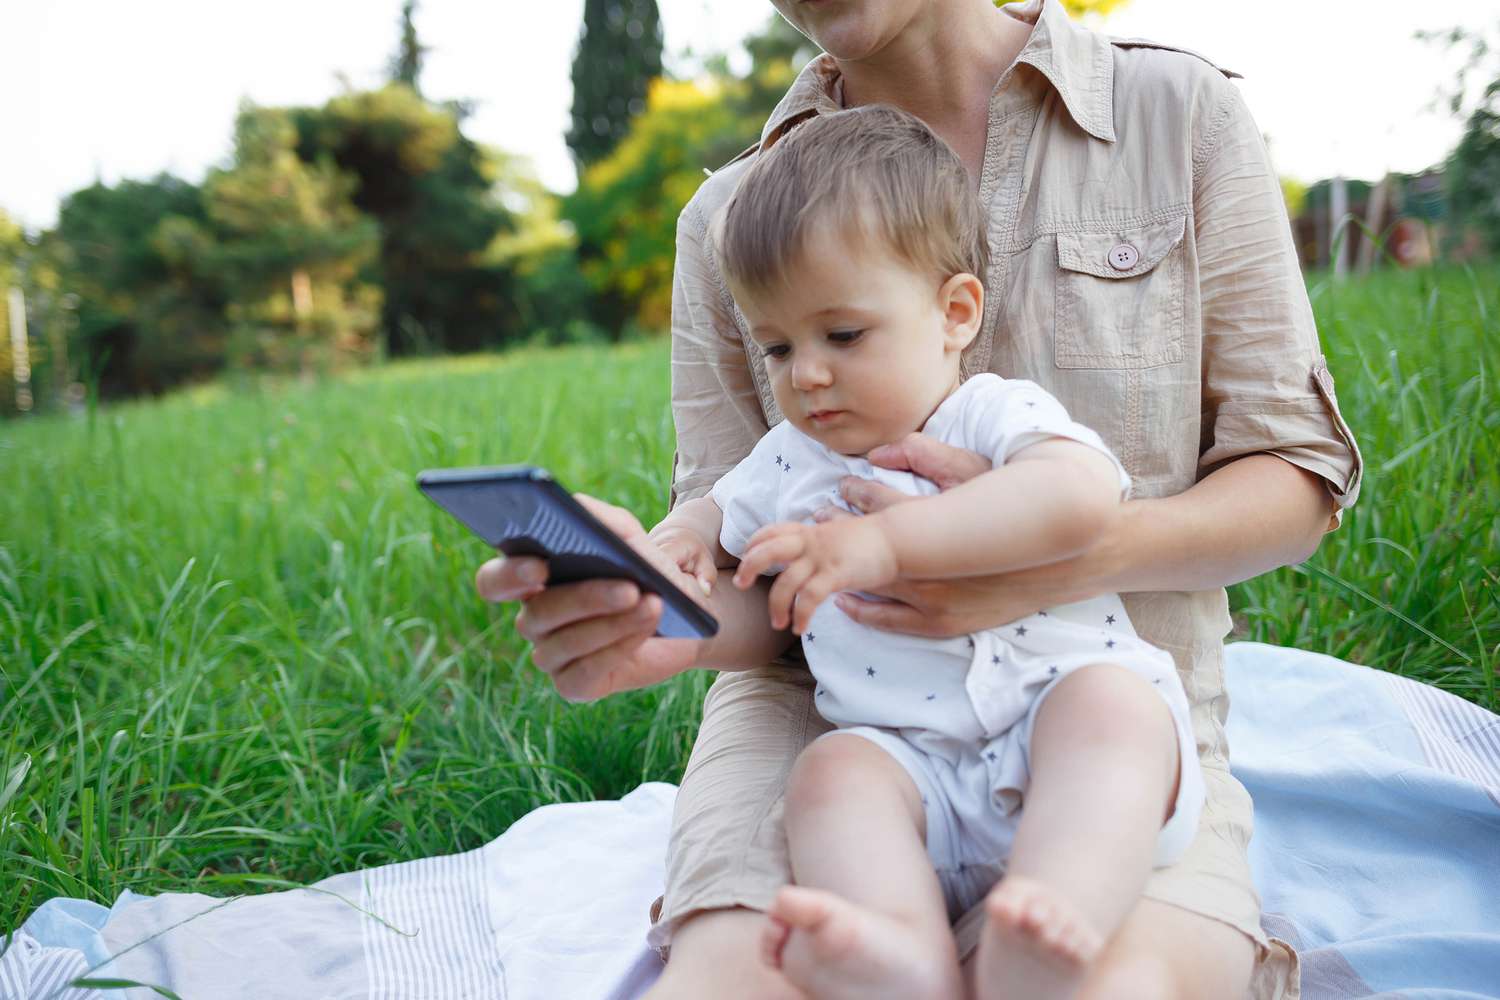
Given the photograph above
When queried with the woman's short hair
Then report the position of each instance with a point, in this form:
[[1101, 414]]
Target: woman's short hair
[[877, 173]]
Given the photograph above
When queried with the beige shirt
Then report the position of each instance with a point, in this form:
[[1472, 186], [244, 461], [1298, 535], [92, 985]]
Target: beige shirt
[[1143, 272]]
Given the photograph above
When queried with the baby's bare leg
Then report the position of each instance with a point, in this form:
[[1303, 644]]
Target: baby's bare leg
[[866, 918], [1104, 771]]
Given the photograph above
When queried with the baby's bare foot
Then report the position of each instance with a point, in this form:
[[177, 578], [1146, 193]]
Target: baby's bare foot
[[1035, 943], [832, 949]]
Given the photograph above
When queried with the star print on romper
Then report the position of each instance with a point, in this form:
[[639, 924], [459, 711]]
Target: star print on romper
[[869, 671], [1051, 671], [809, 637], [1110, 644], [995, 658], [1020, 630], [1109, 619], [931, 697]]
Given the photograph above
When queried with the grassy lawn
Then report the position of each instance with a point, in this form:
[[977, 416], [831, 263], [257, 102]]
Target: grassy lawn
[[238, 650]]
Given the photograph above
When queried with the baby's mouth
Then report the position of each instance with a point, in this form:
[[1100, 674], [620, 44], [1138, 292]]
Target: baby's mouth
[[822, 417]]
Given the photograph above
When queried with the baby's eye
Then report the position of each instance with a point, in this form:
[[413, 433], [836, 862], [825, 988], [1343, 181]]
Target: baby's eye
[[845, 336], [777, 351]]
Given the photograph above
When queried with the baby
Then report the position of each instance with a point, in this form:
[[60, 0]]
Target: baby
[[1047, 764]]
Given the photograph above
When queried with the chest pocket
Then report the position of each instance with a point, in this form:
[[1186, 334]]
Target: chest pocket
[[1120, 297]]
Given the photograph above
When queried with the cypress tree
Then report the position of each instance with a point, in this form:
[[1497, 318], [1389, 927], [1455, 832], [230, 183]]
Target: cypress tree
[[619, 54], [406, 64]]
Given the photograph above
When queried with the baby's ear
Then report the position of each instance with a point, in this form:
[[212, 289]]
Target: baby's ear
[[962, 301]]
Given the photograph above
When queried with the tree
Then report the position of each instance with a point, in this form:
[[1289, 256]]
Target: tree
[[284, 240], [619, 54], [425, 184], [139, 321], [406, 65], [1473, 168]]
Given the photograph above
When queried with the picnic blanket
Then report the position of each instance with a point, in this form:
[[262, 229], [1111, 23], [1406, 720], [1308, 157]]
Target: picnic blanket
[[1376, 851]]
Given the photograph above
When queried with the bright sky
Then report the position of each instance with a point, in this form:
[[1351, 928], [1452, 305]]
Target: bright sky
[[94, 89]]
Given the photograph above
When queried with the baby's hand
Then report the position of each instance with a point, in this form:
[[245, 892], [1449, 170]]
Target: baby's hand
[[691, 554], [820, 559]]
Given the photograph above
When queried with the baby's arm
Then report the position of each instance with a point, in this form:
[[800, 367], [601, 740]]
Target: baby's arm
[[1048, 502], [690, 535]]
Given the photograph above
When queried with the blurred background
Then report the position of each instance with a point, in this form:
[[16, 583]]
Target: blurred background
[[192, 190]]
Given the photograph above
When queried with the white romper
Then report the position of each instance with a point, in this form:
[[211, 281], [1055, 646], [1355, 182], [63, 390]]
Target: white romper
[[956, 713]]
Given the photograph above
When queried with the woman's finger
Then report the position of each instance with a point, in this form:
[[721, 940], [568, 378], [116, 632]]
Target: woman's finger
[[591, 677], [505, 579], [889, 617], [830, 512], [556, 651], [930, 458], [560, 606], [868, 496]]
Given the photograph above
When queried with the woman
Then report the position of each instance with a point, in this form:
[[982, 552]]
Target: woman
[[1143, 273]]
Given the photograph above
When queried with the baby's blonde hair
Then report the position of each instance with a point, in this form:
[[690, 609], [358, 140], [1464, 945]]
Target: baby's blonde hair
[[877, 173]]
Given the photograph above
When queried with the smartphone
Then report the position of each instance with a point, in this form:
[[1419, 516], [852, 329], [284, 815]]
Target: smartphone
[[522, 511]]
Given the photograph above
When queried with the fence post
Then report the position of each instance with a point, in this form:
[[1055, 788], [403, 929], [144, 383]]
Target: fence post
[[1338, 207], [19, 352]]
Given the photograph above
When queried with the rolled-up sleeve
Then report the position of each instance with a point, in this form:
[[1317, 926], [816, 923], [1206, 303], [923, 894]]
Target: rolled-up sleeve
[[1266, 386], [716, 408]]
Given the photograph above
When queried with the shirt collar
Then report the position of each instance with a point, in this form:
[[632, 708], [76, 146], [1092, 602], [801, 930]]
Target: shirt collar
[[1078, 63]]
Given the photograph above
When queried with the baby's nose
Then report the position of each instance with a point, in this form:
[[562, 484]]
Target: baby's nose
[[810, 374]]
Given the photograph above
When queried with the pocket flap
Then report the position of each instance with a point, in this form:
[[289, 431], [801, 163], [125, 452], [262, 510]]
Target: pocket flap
[[1121, 253]]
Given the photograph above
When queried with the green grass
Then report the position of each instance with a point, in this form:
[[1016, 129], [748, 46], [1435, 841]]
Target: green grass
[[238, 651]]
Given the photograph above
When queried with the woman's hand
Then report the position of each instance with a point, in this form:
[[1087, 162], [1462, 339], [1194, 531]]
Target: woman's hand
[[952, 607], [596, 637]]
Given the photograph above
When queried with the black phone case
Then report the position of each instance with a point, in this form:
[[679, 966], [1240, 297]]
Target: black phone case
[[521, 510]]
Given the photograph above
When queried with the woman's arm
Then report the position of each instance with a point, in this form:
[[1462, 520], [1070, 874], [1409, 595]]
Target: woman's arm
[[1248, 517], [1051, 501]]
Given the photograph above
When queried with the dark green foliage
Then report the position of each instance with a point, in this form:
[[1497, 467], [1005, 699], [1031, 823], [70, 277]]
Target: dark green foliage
[[1473, 96], [425, 184], [1474, 171], [619, 54], [144, 322], [286, 242]]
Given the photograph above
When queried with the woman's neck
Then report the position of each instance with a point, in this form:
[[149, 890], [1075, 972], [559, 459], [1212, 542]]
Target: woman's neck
[[942, 68]]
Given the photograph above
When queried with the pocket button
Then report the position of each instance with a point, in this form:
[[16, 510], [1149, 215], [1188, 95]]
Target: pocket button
[[1123, 257]]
